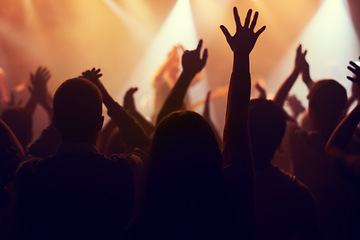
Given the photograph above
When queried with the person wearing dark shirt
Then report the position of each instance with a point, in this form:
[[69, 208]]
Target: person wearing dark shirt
[[76, 193]]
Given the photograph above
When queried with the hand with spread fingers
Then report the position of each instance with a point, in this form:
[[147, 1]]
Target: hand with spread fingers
[[245, 38], [355, 69]]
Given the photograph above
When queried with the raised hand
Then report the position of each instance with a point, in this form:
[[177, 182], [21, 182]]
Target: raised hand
[[129, 103], [295, 106], [300, 61], [39, 91], [244, 38], [191, 60], [39, 82], [93, 75], [355, 69], [261, 90]]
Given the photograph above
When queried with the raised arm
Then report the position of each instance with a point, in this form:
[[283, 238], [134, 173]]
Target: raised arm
[[284, 89], [206, 115], [132, 132], [40, 91], [261, 90], [129, 105], [345, 130], [192, 63], [237, 158]]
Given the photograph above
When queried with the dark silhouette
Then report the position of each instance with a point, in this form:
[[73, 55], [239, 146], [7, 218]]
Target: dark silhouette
[[340, 147], [77, 193], [311, 164], [284, 207]]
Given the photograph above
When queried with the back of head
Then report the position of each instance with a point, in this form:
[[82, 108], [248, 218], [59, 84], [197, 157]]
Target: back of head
[[327, 101], [184, 140], [77, 109], [267, 126], [184, 170], [20, 123]]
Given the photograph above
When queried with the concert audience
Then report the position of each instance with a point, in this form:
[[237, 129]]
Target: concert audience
[[177, 179]]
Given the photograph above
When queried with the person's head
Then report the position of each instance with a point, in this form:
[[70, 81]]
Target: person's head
[[184, 166], [327, 102], [184, 142], [20, 123], [78, 110], [267, 126]]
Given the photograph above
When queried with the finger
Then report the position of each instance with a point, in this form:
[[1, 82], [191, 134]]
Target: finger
[[298, 50], [237, 18], [93, 69], [225, 32], [261, 30], [199, 46], [353, 64], [352, 79], [353, 70], [254, 21], [304, 54], [204, 57], [98, 70], [247, 20], [99, 75]]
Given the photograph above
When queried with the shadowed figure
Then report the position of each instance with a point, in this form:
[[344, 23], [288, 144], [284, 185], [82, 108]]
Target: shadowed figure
[[284, 207], [77, 193]]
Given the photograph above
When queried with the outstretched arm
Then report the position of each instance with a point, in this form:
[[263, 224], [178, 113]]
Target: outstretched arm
[[284, 89], [237, 157], [132, 131], [192, 64], [344, 131], [129, 105]]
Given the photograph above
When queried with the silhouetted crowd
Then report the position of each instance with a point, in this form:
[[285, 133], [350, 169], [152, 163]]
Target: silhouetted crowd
[[269, 177]]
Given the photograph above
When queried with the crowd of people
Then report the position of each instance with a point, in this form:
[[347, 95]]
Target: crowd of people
[[268, 177]]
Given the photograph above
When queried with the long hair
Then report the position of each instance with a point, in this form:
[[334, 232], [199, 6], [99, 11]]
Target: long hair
[[184, 185]]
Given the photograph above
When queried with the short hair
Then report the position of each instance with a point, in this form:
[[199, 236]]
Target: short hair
[[327, 101], [77, 108], [267, 124]]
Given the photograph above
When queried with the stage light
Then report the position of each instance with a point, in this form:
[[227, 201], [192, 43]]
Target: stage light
[[178, 28], [331, 41]]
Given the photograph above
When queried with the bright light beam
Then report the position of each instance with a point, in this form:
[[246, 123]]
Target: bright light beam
[[331, 42], [178, 28], [137, 29]]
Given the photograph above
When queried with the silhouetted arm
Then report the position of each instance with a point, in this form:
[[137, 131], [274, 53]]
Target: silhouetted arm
[[344, 131], [104, 136], [261, 90], [295, 106], [40, 91], [192, 64], [129, 105], [237, 158], [306, 73], [132, 132], [206, 115], [284, 89]]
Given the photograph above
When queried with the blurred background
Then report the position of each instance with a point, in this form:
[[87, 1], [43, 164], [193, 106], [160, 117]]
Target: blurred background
[[130, 39]]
